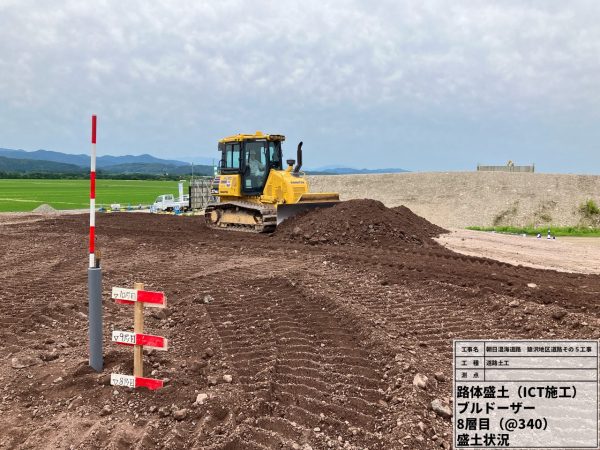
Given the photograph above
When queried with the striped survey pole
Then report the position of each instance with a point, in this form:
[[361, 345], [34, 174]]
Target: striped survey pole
[[93, 195], [94, 272]]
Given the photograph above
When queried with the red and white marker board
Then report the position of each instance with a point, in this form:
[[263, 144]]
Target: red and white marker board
[[117, 379], [130, 296], [147, 340]]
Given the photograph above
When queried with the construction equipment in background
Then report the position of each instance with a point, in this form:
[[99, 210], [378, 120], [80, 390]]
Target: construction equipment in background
[[168, 202], [255, 193], [509, 167], [200, 195]]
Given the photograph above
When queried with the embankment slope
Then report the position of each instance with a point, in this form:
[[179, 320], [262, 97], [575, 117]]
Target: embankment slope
[[461, 199]]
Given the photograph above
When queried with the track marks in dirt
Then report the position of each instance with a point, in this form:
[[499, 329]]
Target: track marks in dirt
[[416, 322], [484, 276], [300, 367]]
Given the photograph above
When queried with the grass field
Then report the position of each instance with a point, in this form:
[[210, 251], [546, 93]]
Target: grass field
[[555, 231], [26, 195]]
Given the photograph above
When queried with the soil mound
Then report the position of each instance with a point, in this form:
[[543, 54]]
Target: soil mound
[[359, 222], [44, 209]]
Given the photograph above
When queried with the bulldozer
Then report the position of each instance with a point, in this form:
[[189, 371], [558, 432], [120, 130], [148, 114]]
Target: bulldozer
[[254, 192]]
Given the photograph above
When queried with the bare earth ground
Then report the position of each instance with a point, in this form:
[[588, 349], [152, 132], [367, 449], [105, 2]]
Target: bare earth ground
[[566, 254], [322, 326]]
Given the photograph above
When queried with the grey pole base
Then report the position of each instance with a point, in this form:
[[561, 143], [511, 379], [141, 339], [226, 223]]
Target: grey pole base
[[95, 318]]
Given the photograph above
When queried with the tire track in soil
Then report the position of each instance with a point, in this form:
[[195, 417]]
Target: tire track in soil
[[434, 311], [484, 275], [417, 323], [300, 367], [36, 309]]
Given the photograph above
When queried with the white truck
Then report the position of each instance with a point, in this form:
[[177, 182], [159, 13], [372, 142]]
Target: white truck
[[167, 202]]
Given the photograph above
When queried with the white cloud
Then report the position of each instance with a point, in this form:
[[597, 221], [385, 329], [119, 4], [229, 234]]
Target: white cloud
[[186, 62]]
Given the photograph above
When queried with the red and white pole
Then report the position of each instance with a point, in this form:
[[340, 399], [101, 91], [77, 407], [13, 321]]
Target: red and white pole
[[94, 273], [93, 195]]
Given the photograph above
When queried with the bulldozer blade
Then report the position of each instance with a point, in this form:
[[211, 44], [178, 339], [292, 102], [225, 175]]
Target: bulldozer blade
[[290, 210]]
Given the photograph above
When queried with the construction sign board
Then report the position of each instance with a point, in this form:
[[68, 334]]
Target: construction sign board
[[130, 296], [147, 340], [130, 381]]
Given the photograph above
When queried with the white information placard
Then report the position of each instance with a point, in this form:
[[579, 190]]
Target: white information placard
[[119, 293], [525, 394], [123, 337], [117, 379]]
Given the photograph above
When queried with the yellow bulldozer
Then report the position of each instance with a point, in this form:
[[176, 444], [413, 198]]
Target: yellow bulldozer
[[255, 193]]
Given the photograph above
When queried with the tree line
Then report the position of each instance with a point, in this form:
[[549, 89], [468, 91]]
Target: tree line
[[86, 175]]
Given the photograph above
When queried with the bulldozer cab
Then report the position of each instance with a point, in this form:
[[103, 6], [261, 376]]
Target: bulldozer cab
[[252, 158]]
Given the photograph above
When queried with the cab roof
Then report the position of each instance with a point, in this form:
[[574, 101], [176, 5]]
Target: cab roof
[[257, 135]]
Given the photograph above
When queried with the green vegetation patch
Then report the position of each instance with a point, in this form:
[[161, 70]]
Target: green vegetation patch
[[26, 195], [506, 215], [589, 209], [533, 231]]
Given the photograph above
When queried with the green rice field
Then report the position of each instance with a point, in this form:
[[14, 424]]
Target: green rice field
[[26, 195]]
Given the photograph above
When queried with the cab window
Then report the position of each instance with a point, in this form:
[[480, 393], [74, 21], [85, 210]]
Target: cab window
[[275, 154], [255, 166], [256, 155], [232, 156]]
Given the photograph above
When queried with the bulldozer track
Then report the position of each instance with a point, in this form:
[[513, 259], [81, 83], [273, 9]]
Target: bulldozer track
[[268, 217], [306, 368]]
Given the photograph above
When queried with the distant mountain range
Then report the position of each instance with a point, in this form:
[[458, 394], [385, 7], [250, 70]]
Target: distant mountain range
[[157, 168], [82, 160], [199, 160], [29, 165], [22, 161]]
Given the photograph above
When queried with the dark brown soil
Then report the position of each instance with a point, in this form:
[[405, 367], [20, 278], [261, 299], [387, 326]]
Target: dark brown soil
[[354, 222], [322, 341]]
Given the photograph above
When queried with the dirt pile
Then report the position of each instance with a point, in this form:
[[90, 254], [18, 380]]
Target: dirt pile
[[44, 209], [362, 222]]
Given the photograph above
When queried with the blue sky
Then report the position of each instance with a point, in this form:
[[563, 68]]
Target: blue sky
[[423, 85]]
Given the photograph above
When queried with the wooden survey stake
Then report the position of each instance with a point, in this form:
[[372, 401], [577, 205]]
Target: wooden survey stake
[[138, 327], [138, 298]]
